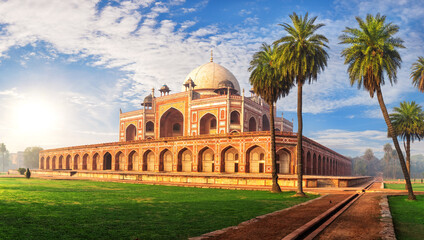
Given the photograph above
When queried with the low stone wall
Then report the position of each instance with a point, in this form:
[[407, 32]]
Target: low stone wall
[[244, 180]]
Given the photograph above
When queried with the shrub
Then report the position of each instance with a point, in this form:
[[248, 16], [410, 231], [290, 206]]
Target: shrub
[[28, 173], [21, 171]]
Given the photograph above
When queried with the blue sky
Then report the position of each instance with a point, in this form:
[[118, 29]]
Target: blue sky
[[67, 67]]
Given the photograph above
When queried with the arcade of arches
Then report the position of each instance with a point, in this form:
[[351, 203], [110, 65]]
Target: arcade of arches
[[207, 159]]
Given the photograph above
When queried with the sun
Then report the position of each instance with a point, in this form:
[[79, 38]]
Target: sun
[[35, 115]]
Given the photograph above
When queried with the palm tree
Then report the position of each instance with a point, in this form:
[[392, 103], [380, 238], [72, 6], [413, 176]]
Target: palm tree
[[372, 56], [417, 74], [302, 54], [270, 84], [408, 124]]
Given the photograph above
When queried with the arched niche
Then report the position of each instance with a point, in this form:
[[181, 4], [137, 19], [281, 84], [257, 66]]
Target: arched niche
[[235, 117], [107, 161], [255, 159], [230, 159], [133, 161], [185, 160], [252, 124], [171, 123], [208, 124], [283, 160], [206, 160], [265, 123], [131, 133]]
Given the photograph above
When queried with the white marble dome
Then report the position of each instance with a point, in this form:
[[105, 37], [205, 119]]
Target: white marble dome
[[209, 75]]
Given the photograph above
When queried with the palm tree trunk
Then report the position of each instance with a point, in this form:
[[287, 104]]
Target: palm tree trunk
[[411, 195], [408, 154], [299, 140], [275, 187]]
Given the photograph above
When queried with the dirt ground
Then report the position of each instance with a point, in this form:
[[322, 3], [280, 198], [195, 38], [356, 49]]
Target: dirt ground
[[278, 226], [360, 221]]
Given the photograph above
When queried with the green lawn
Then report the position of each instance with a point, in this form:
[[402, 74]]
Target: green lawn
[[401, 186], [408, 217], [60, 209]]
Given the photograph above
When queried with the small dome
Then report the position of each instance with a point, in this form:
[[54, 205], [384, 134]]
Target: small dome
[[164, 88], [148, 99], [225, 84], [209, 75]]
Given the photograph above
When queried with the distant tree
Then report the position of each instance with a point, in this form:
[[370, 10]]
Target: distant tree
[[31, 157], [417, 74], [3, 150], [303, 54], [408, 124], [389, 161], [372, 57], [270, 84]]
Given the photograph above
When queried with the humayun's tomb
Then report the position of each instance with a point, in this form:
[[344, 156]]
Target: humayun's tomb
[[209, 133]]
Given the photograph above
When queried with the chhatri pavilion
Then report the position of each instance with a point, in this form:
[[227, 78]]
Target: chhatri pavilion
[[210, 128]]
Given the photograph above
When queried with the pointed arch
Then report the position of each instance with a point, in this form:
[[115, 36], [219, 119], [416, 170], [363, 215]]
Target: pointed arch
[[172, 123], [229, 159], [165, 161], [309, 163], [148, 161], [131, 133], [48, 162], [283, 159], [252, 124], [60, 162], [185, 160], [84, 161], [206, 160], [68, 162], [107, 161], [133, 161], [235, 117], [95, 161], [54, 162], [42, 163], [76, 161], [265, 123], [208, 124], [255, 159], [119, 160]]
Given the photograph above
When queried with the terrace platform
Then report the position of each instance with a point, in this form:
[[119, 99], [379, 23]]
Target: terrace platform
[[233, 180]]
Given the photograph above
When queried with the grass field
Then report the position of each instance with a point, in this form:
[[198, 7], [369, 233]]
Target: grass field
[[408, 217], [401, 186], [60, 209]]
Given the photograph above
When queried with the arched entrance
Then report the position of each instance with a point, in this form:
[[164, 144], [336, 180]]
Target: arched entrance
[[314, 164], [76, 161], [133, 161], [255, 159], [252, 124], [206, 160], [265, 123], [61, 162], [119, 160], [150, 129], [42, 163], [68, 162], [283, 161], [54, 162], [171, 123], [107, 161], [230, 159], [235, 117], [149, 161], [84, 161], [95, 160], [208, 124], [165, 161], [131, 133], [185, 160], [48, 163]]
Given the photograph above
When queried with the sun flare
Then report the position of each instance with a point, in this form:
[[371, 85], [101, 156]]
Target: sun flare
[[35, 115]]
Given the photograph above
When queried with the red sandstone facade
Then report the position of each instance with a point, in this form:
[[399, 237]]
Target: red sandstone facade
[[208, 127]]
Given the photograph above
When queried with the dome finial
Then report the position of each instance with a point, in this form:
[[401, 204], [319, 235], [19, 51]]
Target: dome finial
[[211, 55]]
